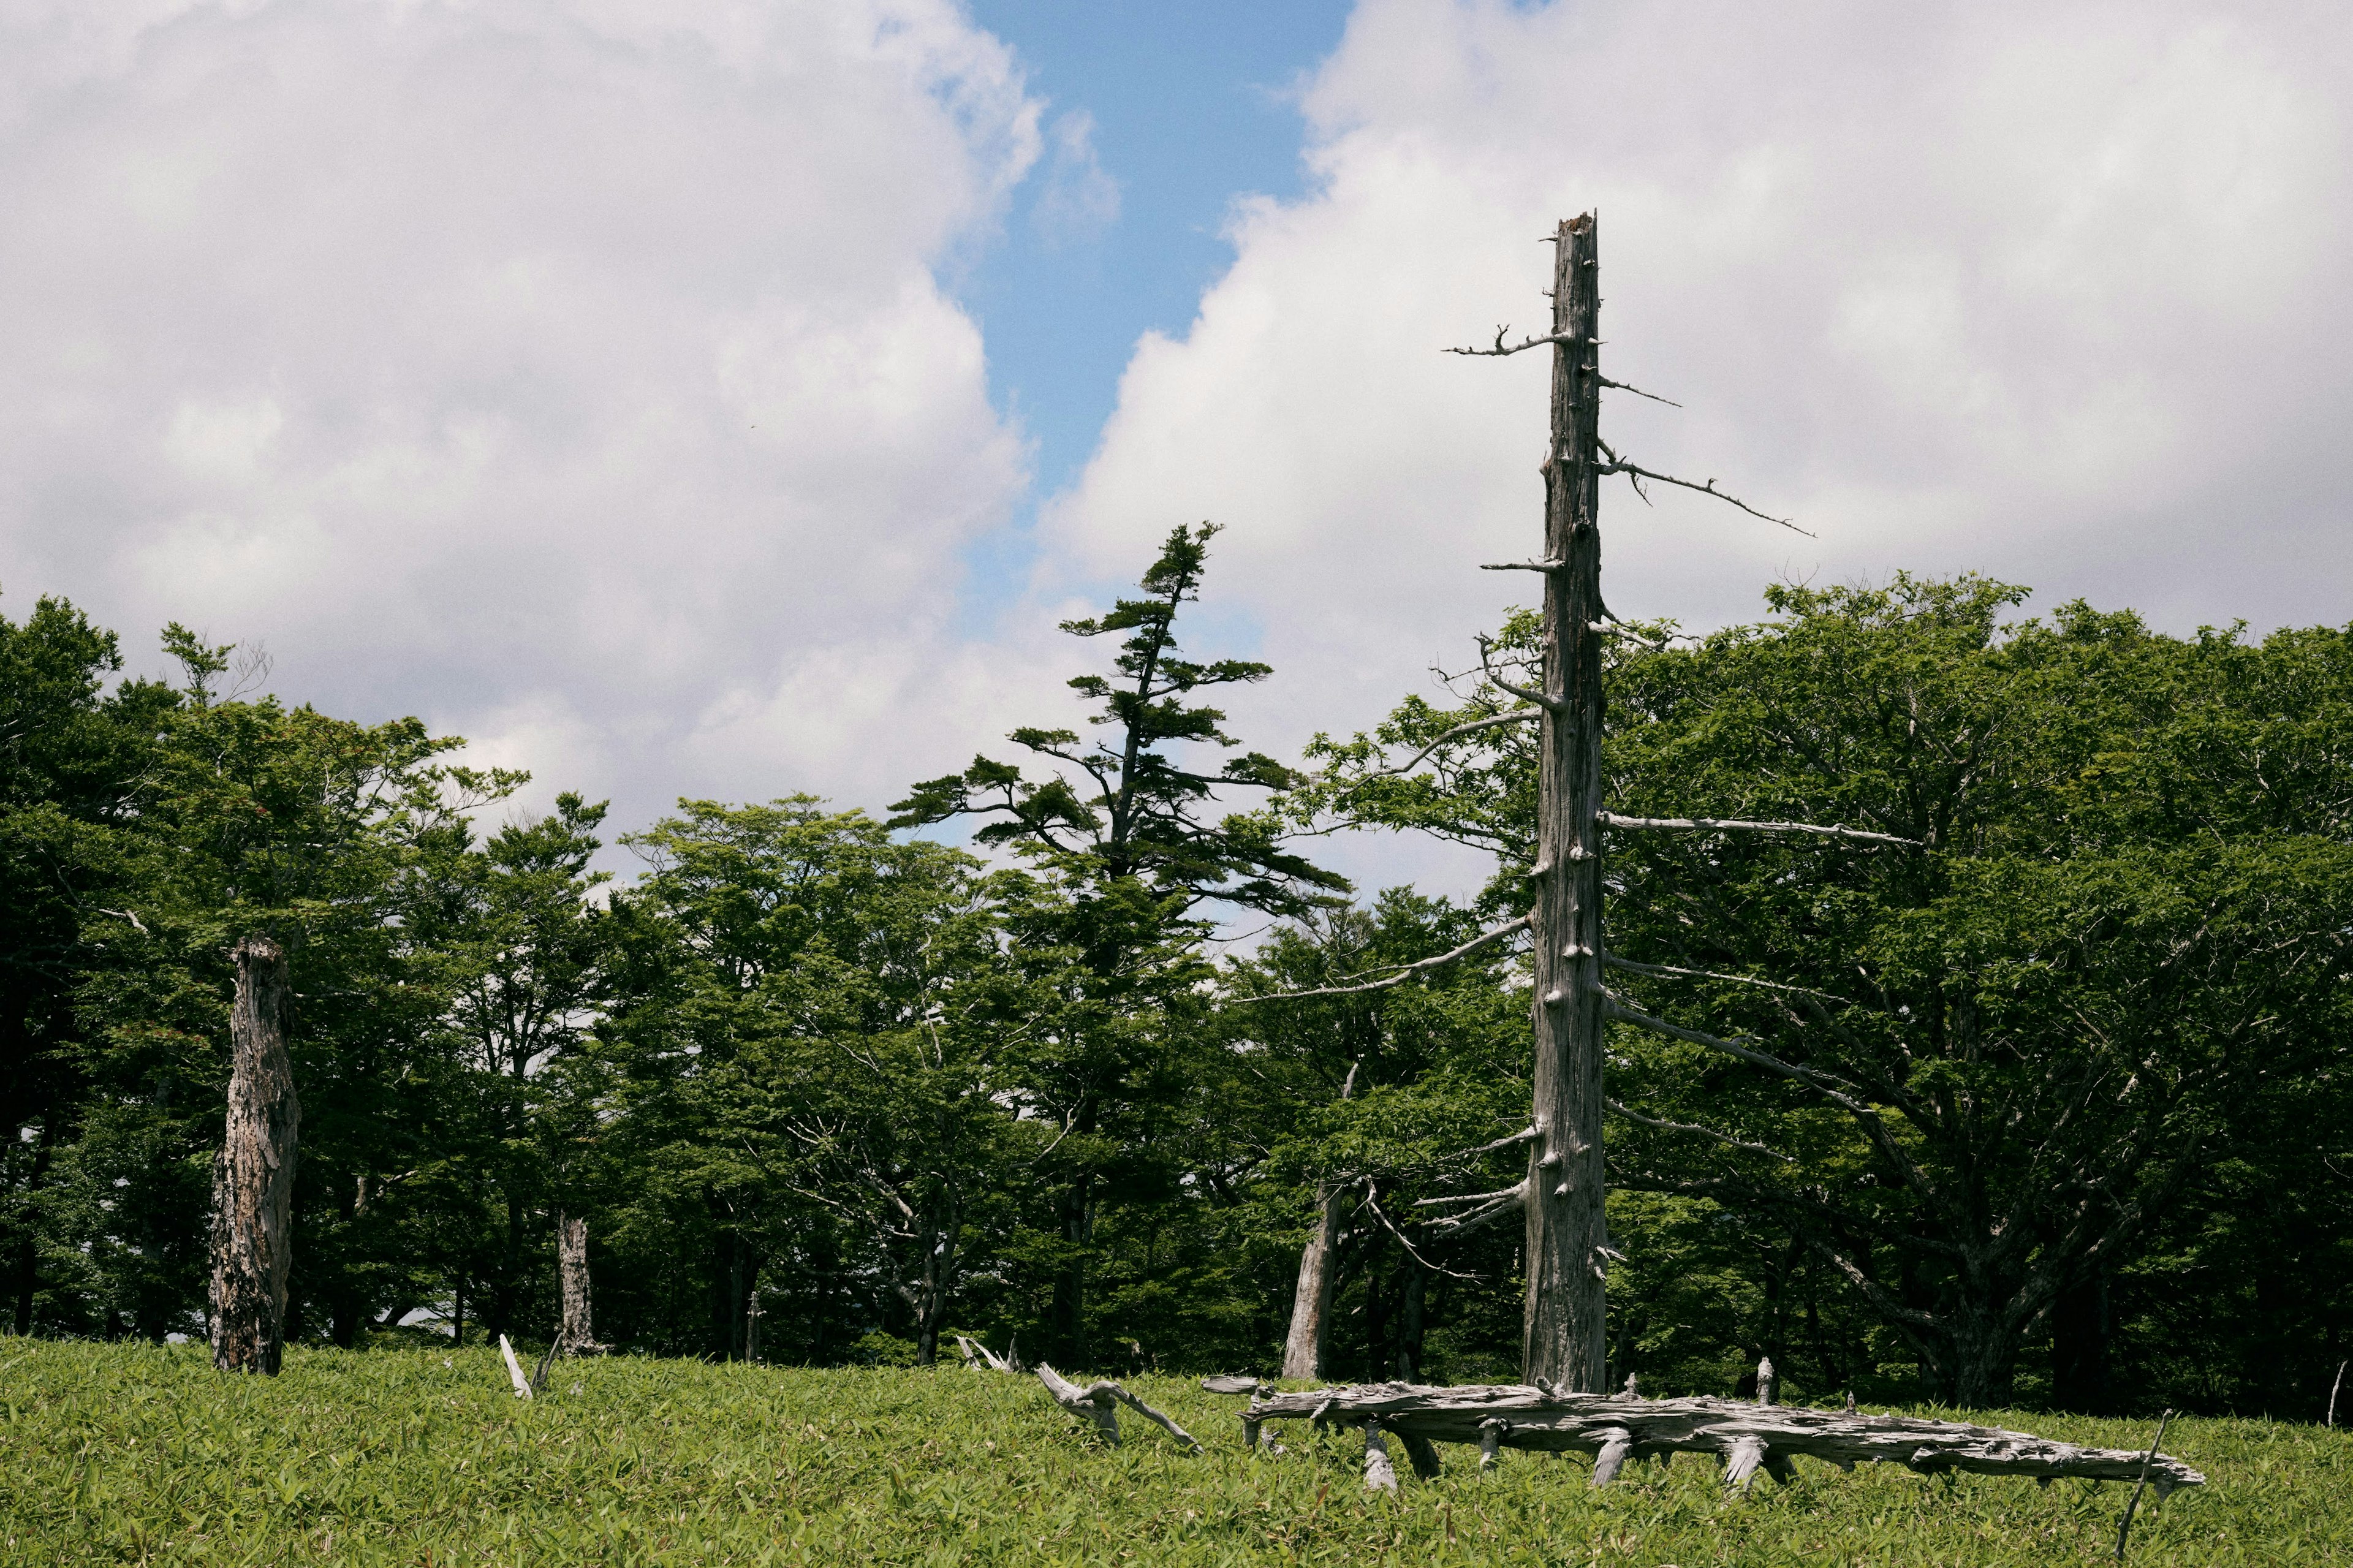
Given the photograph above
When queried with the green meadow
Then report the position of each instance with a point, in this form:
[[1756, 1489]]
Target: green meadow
[[136, 1454]]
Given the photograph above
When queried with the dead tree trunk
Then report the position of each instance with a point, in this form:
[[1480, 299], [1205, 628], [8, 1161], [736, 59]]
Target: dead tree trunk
[[253, 1175], [574, 1335], [1311, 1302], [1564, 1322]]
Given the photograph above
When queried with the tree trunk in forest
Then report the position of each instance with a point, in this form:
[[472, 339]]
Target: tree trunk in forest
[[738, 1280], [1076, 1210], [28, 1252], [1564, 1320], [574, 1335], [1311, 1302], [2079, 1346], [501, 1318], [253, 1175], [1985, 1366], [1408, 1365]]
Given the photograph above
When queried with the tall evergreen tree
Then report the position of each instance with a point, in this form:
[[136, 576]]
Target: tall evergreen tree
[[1132, 842]]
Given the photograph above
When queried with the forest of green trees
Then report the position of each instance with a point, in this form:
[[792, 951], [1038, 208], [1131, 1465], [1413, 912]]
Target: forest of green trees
[[827, 1089]]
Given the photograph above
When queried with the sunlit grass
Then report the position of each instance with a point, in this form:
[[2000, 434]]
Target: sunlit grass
[[131, 1454]]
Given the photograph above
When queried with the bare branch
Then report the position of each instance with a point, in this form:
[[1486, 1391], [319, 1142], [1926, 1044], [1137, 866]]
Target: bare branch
[[1524, 566], [1513, 1192], [1551, 704], [1612, 961], [1820, 1083], [1517, 716], [1724, 1138], [1373, 1202], [1499, 351], [1874, 1125], [1637, 473], [1511, 1200], [1722, 823], [1405, 972], [1621, 386], [1524, 1135], [1614, 628]]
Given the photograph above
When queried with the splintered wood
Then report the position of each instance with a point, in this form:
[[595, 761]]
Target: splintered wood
[[1746, 1437], [1099, 1403]]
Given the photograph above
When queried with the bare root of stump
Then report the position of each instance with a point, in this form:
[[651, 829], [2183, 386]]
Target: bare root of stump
[[1746, 1437], [1099, 1403]]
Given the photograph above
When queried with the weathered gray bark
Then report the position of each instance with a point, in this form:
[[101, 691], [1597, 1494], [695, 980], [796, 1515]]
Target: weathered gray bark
[[253, 1175], [1381, 1476], [1563, 1323], [1099, 1403], [576, 1333], [1745, 1436], [1311, 1301]]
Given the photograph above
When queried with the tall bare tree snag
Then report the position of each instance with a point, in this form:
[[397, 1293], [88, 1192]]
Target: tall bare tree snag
[[253, 1175], [1563, 1321], [1561, 1406]]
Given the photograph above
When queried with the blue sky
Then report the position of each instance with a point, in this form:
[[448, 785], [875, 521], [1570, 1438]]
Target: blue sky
[[1191, 108]]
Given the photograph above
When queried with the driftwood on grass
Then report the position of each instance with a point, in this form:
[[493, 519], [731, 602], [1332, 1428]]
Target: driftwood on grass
[[1746, 1437], [1100, 1402], [1231, 1383], [514, 1370], [980, 1357]]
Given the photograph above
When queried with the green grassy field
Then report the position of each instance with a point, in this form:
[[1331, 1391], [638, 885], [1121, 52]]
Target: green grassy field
[[131, 1454]]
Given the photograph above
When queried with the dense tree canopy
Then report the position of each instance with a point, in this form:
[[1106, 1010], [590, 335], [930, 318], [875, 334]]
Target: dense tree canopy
[[2044, 1102]]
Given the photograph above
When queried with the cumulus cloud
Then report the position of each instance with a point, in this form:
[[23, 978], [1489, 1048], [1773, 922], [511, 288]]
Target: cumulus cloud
[[576, 375], [2057, 293]]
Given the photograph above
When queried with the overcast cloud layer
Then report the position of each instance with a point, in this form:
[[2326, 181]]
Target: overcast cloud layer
[[578, 375], [589, 379]]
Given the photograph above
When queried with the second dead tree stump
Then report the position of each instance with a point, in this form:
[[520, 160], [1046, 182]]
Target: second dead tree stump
[[253, 1174]]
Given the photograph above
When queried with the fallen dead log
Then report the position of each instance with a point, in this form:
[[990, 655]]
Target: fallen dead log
[[1231, 1383], [1099, 1403], [1746, 1437]]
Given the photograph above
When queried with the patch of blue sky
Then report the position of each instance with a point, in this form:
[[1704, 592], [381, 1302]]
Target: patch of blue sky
[[1159, 117]]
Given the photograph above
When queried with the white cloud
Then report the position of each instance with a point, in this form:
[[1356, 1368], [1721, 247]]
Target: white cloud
[[2054, 292], [1079, 200], [551, 369]]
